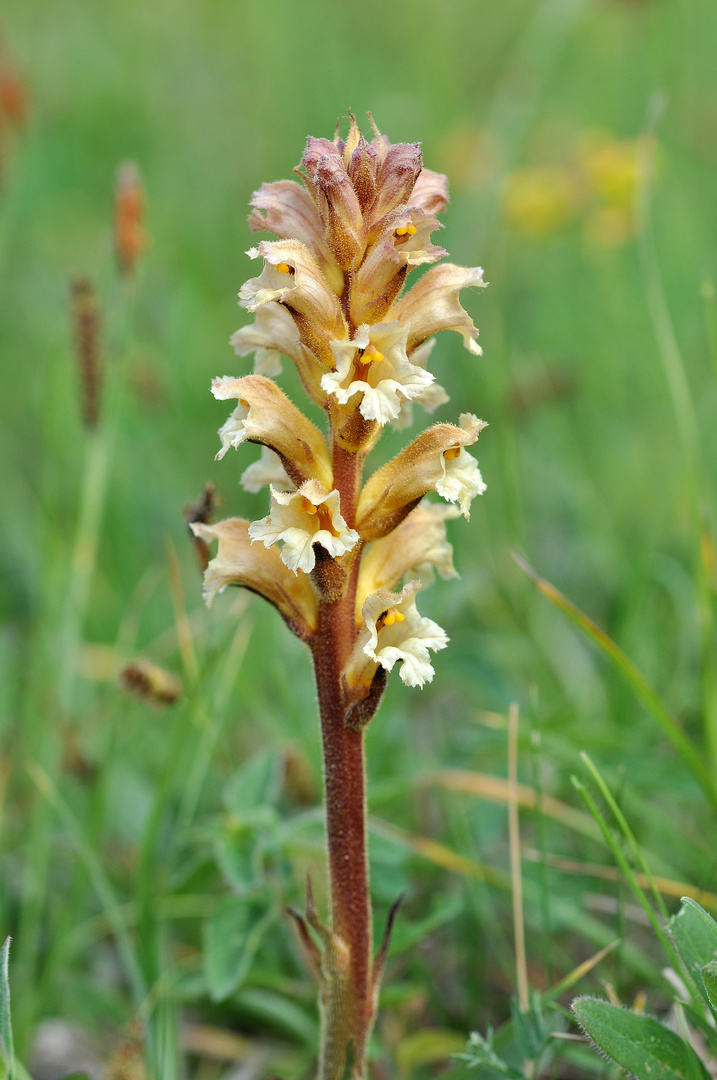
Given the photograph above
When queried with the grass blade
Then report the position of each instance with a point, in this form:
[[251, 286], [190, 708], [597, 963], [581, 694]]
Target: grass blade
[[632, 675], [6, 1043]]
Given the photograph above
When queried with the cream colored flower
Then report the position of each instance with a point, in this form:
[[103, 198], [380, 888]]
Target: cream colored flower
[[272, 334], [411, 230], [292, 276], [461, 480], [267, 470], [291, 214], [430, 398], [433, 304], [417, 546], [434, 461], [375, 365], [238, 562], [265, 415], [394, 632], [301, 519]]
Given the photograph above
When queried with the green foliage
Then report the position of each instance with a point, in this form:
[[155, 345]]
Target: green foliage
[[7, 1052], [143, 848], [522, 1047], [232, 935], [695, 935], [640, 1045]]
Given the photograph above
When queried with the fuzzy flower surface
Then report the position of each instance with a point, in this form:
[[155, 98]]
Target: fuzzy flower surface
[[300, 519], [375, 365], [336, 297], [394, 632]]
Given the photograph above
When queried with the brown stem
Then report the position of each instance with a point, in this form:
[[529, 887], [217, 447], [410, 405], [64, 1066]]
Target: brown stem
[[348, 1009]]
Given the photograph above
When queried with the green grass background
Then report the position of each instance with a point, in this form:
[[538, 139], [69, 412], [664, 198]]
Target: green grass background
[[596, 486]]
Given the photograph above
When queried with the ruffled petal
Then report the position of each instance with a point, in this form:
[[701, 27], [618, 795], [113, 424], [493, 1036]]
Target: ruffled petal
[[394, 632], [267, 470], [272, 334], [300, 519], [265, 415], [384, 382], [237, 562], [425, 465], [433, 304]]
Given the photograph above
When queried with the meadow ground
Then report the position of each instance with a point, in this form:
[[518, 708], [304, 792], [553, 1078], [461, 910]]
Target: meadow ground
[[148, 854]]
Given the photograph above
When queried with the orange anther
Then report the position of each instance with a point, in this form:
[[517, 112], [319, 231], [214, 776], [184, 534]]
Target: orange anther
[[451, 453]]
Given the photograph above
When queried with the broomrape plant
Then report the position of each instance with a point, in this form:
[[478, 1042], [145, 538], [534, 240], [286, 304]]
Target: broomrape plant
[[336, 557]]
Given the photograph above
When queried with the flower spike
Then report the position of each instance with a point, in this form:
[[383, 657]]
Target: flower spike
[[341, 559]]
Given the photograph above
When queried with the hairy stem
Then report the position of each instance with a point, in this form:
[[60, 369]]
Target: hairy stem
[[348, 1004]]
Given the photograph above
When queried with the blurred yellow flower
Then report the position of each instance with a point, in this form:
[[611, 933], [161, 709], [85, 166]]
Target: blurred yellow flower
[[609, 167], [597, 187], [540, 199]]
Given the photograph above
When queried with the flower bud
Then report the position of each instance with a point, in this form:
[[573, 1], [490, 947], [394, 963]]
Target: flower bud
[[396, 177], [344, 220]]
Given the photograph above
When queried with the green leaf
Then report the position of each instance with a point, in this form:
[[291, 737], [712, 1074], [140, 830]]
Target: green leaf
[[709, 979], [279, 1011], [6, 1043], [639, 1044], [238, 853], [231, 935], [255, 784], [695, 935], [481, 1054]]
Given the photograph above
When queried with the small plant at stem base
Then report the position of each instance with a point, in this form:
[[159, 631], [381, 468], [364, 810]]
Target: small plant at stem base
[[337, 557]]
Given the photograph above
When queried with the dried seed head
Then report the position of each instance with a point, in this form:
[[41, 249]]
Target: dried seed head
[[87, 324], [14, 100], [131, 240], [151, 683]]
